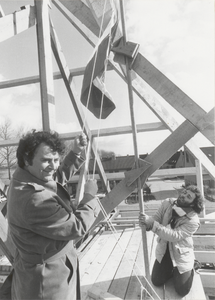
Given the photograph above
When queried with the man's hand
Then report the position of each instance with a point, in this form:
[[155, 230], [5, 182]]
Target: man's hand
[[80, 143], [91, 187], [145, 220]]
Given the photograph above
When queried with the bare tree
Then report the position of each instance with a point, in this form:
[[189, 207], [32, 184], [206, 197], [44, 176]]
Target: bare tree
[[8, 153]]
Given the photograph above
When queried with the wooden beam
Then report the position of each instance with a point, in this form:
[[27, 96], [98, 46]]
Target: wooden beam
[[82, 12], [36, 79], [208, 279], [158, 173], [45, 65], [205, 256], [157, 126], [17, 22], [199, 154], [196, 292], [97, 294], [204, 241], [173, 95], [79, 17], [206, 228]]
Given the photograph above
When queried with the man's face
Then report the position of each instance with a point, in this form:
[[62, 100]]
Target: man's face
[[44, 164], [185, 198]]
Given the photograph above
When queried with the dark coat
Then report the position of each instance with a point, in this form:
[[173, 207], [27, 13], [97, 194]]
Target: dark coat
[[43, 227]]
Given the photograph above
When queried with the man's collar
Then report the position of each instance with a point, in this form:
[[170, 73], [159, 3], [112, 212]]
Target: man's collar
[[181, 211], [24, 176]]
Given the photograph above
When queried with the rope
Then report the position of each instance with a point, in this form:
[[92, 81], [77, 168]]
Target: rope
[[113, 230]]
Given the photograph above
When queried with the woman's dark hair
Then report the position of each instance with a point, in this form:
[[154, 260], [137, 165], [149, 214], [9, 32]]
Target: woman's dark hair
[[198, 201], [30, 142]]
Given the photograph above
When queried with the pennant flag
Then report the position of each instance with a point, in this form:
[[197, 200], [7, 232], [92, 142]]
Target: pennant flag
[[94, 94]]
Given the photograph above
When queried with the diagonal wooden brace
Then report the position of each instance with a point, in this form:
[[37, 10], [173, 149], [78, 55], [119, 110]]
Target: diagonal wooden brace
[[132, 175]]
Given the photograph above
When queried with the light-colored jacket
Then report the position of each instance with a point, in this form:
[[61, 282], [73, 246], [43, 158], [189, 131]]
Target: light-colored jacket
[[180, 238], [43, 226]]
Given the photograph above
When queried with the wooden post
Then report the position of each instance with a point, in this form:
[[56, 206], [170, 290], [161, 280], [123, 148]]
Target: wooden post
[[45, 64], [199, 180], [134, 134], [83, 173]]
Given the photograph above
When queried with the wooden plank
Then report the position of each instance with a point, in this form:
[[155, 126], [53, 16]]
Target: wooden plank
[[45, 65], [205, 256], [35, 79], [87, 259], [17, 22], [208, 278], [196, 292], [103, 132], [78, 24], [97, 294], [207, 219], [87, 243], [198, 154], [89, 276], [204, 241], [104, 279], [139, 286], [83, 13], [173, 95], [122, 276], [206, 229]]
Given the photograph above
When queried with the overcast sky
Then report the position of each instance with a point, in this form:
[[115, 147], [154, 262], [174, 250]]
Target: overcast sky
[[177, 36]]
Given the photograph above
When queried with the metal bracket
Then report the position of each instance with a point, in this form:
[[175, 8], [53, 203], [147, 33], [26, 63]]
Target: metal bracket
[[130, 50]]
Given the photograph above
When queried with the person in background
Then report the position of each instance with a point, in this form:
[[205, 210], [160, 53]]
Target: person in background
[[42, 223], [175, 222]]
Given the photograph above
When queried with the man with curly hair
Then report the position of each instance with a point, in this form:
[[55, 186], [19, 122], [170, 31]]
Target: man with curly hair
[[42, 222], [175, 222]]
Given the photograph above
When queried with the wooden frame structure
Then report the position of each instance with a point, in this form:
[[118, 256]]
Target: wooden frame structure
[[87, 20]]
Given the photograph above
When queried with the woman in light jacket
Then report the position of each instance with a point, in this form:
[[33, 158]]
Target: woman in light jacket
[[175, 222]]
